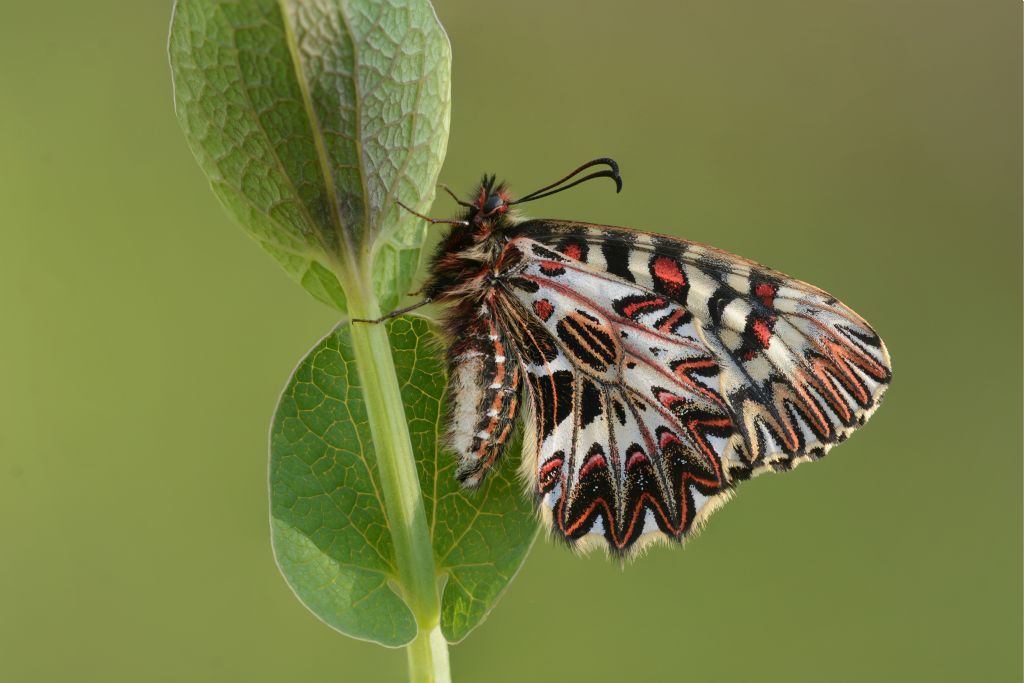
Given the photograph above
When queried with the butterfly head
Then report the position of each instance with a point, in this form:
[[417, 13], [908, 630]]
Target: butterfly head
[[490, 205], [489, 209], [492, 201]]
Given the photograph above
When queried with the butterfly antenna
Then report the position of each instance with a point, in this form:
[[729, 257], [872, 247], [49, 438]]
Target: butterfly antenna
[[611, 172], [432, 221], [455, 197]]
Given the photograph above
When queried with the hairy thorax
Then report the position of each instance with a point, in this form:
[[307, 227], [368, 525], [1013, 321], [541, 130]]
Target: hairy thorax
[[468, 262]]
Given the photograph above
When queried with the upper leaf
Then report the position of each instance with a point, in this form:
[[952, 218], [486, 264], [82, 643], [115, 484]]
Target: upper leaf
[[311, 119], [330, 528]]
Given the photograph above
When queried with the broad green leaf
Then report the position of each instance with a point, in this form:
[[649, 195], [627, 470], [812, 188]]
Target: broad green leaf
[[329, 526], [311, 118]]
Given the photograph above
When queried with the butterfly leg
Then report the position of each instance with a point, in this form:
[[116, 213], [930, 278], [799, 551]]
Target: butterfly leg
[[483, 389], [393, 314]]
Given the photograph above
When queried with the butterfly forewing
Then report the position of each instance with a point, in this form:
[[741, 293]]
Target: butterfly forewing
[[660, 372]]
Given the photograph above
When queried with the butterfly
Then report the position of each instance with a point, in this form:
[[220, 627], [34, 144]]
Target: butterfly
[[653, 374]]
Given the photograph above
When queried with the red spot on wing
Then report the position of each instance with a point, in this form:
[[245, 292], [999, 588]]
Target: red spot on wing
[[762, 332], [550, 466], [592, 464], [551, 269], [543, 309], [636, 459], [549, 473], [636, 307], [691, 365], [672, 321], [669, 275], [572, 250], [766, 293], [668, 399], [668, 438]]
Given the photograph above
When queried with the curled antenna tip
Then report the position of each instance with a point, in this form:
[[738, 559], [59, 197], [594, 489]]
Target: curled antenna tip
[[611, 172], [616, 176]]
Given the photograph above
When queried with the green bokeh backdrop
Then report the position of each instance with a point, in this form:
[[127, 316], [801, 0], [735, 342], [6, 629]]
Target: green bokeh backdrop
[[872, 148]]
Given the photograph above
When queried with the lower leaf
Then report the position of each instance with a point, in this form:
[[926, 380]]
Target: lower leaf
[[330, 531]]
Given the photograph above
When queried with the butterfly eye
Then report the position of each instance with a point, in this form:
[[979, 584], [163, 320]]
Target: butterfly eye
[[492, 204]]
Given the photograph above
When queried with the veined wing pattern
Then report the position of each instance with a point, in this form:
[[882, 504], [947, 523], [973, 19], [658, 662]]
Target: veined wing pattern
[[660, 372]]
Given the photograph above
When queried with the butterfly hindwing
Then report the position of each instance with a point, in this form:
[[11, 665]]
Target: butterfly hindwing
[[624, 447], [661, 371]]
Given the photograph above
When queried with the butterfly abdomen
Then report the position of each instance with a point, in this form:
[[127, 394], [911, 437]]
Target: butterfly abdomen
[[484, 389]]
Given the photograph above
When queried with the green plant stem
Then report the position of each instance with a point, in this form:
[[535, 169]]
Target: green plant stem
[[428, 656], [403, 501]]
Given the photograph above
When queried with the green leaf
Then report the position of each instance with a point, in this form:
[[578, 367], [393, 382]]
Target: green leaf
[[311, 119], [329, 526]]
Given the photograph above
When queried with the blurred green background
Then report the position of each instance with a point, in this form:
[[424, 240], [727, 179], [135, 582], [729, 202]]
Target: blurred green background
[[872, 148]]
